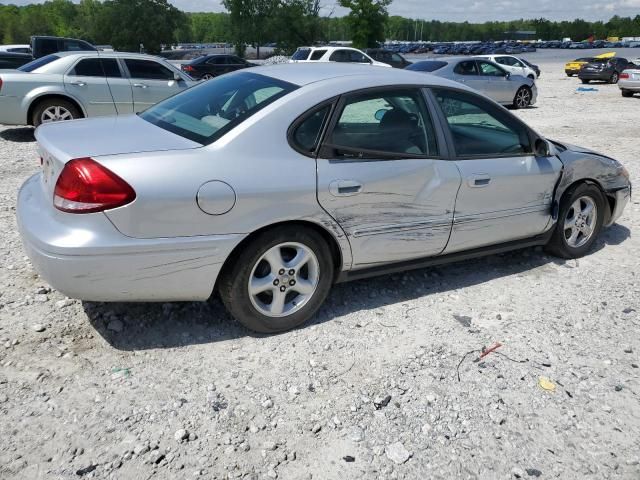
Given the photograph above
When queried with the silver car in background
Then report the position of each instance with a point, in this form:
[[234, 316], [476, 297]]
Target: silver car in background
[[484, 76], [629, 80], [69, 85], [269, 185]]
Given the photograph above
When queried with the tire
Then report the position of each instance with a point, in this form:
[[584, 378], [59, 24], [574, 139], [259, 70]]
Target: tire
[[569, 74], [585, 80], [207, 76], [522, 98], [614, 78], [280, 244], [626, 93], [67, 110], [581, 195]]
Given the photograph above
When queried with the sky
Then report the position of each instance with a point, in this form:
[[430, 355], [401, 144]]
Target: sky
[[475, 10], [462, 10]]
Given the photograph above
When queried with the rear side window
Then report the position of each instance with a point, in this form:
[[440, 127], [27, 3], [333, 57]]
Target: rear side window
[[301, 54], [148, 69], [490, 70], [317, 54], [467, 68], [40, 62], [479, 128], [209, 110], [89, 67], [306, 135], [394, 122]]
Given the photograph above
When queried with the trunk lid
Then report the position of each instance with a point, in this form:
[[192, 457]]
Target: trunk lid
[[63, 141]]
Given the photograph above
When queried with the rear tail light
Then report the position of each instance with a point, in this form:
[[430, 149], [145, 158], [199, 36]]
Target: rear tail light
[[188, 68], [0, 83], [624, 75], [85, 186]]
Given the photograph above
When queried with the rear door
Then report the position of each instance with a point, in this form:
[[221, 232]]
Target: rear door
[[506, 190], [467, 72], [383, 177], [151, 82], [87, 82]]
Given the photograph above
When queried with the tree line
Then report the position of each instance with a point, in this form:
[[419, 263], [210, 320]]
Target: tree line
[[126, 24]]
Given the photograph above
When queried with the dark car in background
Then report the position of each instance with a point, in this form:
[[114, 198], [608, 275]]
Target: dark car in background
[[604, 69], [386, 56], [10, 60], [207, 67], [42, 46]]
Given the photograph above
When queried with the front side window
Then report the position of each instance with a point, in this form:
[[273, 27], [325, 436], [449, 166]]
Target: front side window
[[490, 70], [147, 69], [209, 110], [357, 57], [339, 56], [509, 61], [216, 61], [467, 67], [394, 122], [479, 128]]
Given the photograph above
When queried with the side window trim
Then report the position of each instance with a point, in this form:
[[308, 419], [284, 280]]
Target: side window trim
[[377, 155], [323, 130], [444, 124]]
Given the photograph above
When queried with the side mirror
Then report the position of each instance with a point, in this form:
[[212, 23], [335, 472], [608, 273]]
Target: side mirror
[[380, 113], [507, 75], [541, 148]]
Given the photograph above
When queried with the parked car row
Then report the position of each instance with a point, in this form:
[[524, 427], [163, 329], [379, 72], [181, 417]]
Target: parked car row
[[606, 67]]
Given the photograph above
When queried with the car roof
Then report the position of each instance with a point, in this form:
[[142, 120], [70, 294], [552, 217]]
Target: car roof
[[107, 54], [306, 73]]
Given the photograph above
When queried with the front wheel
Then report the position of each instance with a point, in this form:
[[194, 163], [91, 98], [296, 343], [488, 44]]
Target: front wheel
[[522, 98], [614, 78], [579, 222], [584, 80], [279, 280]]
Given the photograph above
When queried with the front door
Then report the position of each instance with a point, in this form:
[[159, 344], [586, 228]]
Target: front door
[[497, 82], [467, 72], [506, 191], [381, 176], [87, 82], [151, 82]]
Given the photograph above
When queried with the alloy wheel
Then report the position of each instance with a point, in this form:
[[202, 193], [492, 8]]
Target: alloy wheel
[[284, 279], [614, 77], [523, 98], [580, 222], [55, 113]]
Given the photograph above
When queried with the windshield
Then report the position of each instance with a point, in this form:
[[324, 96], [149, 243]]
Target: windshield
[[426, 66], [206, 112], [40, 62], [301, 54]]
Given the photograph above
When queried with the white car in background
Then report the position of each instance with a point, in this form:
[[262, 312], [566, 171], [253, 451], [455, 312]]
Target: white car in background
[[334, 54], [512, 64], [15, 48]]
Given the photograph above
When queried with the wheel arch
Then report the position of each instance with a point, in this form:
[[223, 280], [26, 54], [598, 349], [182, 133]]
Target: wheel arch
[[46, 96], [610, 201], [337, 254]]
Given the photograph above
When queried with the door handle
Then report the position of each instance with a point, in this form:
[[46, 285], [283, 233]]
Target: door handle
[[78, 83], [139, 85], [479, 180], [345, 188]]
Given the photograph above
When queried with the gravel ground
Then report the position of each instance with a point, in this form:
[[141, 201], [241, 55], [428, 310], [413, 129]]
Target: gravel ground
[[370, 389]]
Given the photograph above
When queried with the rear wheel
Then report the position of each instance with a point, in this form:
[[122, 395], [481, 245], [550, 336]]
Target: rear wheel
[[626, 93], [279, 280], [585, 80], [54, 110], [614, 78], [569, 74], [522, 98], [207, 76], [579, 221]]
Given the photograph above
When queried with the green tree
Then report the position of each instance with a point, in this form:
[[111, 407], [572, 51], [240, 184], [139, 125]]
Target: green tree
[[249, 21], [126, 24], [367, 19]]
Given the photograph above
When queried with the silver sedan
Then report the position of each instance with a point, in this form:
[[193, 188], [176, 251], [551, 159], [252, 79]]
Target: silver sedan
[[484, 76], [269, 186], [629, 81], [68, 85]]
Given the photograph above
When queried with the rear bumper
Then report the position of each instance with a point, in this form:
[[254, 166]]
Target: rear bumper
[[84, 256], [572, 71], [604, 76], [632, 85], [11, 111]]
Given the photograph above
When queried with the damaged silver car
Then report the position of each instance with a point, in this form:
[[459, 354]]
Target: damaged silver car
[[271, 185]]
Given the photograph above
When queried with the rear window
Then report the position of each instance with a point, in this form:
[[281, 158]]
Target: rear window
[[209, 110], [427, 66], [40, 62], [301, 54]]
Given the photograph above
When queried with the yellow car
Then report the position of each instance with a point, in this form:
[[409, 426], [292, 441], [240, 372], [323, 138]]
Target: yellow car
[[573, 68]]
